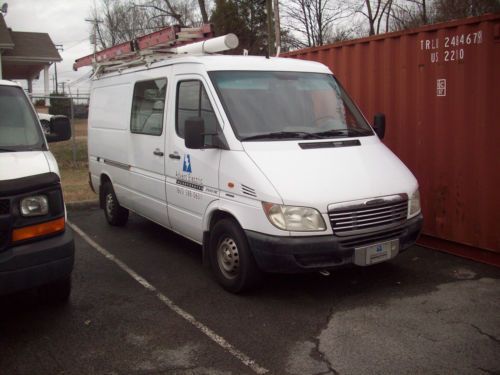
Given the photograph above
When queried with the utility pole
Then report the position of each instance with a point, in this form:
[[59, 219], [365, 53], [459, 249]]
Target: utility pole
[[59, 47], [270, 41], [277, 26], [95, 21]]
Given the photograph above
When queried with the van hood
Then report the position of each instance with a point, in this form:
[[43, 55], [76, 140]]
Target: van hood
[[318, 177], [21, 164]]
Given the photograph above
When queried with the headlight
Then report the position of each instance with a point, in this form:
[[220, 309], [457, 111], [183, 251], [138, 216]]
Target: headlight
[[414, 204], [37, 205], [298, 219]]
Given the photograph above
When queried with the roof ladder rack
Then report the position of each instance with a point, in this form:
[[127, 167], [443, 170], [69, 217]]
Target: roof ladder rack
[[158, 46]]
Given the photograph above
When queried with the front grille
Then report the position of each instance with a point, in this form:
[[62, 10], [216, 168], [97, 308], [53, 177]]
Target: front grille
[[365, 218], [372, 238], [4, 206]]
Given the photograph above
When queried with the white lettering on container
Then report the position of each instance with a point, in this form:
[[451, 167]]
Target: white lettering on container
[[441, 87], [454, 46]]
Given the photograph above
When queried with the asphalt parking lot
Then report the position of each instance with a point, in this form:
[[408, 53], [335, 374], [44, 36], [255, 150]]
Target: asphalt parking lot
[[142, 303]]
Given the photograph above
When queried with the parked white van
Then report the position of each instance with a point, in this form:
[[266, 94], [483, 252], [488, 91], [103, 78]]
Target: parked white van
[[36, 247], [265, 162]]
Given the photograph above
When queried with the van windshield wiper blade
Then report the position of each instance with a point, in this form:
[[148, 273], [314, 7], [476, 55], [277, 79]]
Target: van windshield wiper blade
[[283, 135], [345, 132]]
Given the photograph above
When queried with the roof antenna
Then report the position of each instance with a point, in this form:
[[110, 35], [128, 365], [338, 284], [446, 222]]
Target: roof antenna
[[267, 53]]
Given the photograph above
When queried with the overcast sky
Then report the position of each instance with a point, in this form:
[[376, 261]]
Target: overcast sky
[[64, 21]]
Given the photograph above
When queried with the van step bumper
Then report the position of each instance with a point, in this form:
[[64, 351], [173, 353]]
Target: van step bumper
[[313, 253]]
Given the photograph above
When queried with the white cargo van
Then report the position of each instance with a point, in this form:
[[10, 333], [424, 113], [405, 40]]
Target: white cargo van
[[36, 247], [266, 162]]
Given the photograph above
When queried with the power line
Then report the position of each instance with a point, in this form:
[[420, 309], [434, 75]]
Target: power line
[[77, 43]]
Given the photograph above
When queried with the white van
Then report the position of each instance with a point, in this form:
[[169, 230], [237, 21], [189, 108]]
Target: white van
[[265, 162], [36, 247]]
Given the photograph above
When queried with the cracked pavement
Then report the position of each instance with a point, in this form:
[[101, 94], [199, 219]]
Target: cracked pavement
[[423, 313]]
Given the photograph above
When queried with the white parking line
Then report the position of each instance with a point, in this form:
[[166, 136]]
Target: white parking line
[[219, 340]]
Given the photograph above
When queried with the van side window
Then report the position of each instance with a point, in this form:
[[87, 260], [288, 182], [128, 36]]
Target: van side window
[[148, 104], [193, 101]]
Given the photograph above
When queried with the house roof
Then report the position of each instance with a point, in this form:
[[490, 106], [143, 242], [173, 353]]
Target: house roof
[[25, 54], [5, 39], [31, 47]]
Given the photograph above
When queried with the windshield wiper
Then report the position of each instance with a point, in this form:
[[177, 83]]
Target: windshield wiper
[[283, 135], [345, 132]]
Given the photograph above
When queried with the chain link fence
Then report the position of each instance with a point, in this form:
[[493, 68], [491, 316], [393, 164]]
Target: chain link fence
[[75, 107]]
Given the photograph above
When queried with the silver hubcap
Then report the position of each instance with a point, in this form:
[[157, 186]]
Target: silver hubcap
[[228, 258], [110, 204]]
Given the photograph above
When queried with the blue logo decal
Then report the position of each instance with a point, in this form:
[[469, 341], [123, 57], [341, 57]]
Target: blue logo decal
[[379, 248], [186, 166]]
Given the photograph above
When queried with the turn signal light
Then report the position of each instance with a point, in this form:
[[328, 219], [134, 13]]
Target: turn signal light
[[38, 230]]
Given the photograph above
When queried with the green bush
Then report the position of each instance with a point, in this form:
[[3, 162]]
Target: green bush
[[39, 102], [60, 104]]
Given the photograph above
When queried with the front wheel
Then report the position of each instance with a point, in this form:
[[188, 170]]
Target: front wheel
[[231, 259], [115, 214]]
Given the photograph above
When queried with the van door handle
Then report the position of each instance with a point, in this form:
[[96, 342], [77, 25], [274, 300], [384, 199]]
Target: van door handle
[[174, 156], [157, 152]]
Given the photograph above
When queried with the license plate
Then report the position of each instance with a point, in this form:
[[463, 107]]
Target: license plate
[[376, 253]]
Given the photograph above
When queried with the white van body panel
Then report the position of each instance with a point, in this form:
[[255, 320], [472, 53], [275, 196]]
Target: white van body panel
[[22, 164], [243, 187], [126, 158], [319, 177], [51, 160]]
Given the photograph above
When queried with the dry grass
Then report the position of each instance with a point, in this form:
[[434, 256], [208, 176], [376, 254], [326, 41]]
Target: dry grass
[[74, 173], [76, 186], [80, 127]]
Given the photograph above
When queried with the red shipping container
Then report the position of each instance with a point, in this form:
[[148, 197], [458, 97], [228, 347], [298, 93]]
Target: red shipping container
[[439, 86]]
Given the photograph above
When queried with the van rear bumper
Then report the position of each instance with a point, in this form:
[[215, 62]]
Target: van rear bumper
[[312, 253], [37, 263]]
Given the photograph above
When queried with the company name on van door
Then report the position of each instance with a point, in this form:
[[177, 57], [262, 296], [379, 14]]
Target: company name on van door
[[185, 179]]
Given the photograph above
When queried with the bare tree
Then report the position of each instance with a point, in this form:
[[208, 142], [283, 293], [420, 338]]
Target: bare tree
[[124, 20], [406, 14], [312, 20], [203, 10], [374, 11]]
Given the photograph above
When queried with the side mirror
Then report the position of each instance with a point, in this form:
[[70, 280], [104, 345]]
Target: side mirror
[[379, 125], [60, 129], [194, 133]]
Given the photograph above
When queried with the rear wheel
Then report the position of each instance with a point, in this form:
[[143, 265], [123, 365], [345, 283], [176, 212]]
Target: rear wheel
[[115, 214], [231, 259]]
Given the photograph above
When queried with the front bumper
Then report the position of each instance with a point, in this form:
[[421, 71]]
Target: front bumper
[[303, 254], [37, 263]]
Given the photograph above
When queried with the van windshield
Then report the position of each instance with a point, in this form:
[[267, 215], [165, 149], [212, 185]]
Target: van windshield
[[19, 128], [264, 105]]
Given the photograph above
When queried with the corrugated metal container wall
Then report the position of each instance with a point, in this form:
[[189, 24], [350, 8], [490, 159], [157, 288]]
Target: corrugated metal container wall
[[439, 87]]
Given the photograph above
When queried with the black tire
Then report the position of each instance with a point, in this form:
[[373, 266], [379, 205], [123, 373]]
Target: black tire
[[57, 292], [115, 214], [231, 260]]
